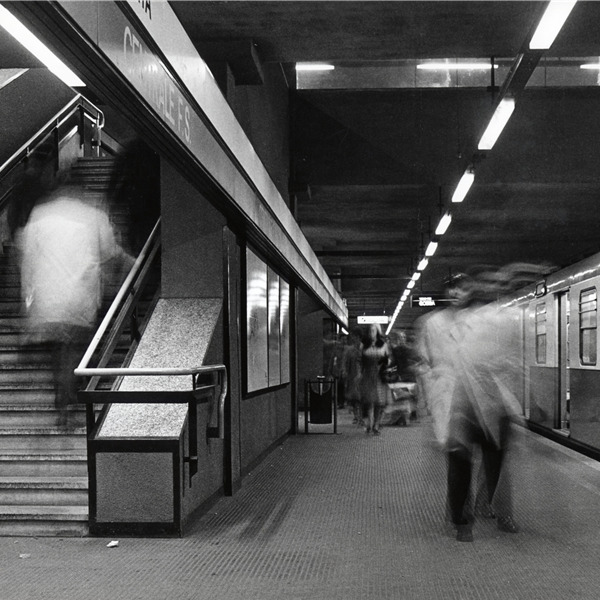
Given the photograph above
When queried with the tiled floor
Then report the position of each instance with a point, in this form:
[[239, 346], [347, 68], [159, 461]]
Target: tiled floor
[[344, 516]]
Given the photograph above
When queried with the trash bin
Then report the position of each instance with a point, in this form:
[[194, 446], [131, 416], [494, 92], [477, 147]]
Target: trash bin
[[320, 402]]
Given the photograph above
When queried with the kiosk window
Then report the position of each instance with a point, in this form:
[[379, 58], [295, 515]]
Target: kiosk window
[[588, 326]]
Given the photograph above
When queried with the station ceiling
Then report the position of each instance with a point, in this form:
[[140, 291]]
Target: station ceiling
[[379, 163], [376, 155]]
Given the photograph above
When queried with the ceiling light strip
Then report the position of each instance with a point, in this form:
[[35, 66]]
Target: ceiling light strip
[[314, 67], [497, 123], [443, 224], [442, 66], [13, 26], [464, 185], [551, 23]]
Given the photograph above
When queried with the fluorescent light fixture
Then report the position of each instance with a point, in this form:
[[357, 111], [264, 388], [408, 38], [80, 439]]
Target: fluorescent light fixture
[[497, 123], [443, 224], [591, 66], [423, 264], [410, 285], [431, 248], [405, 294], [38, 49], [464, 185], [551, 23], [416, 276], [314, 67], [454, 66]]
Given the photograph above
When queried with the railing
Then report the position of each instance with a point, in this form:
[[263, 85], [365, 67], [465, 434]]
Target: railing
[[91, 397], [51, 129], [78, 104], [122, 311], [105, 341]]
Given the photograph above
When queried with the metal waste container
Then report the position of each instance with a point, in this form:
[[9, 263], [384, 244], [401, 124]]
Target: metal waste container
[[320, 402]]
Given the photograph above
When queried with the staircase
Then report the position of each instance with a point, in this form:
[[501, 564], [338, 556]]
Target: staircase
[[43, 467]]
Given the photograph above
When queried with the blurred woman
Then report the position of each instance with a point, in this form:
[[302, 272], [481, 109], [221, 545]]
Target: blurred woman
[[374, 392]]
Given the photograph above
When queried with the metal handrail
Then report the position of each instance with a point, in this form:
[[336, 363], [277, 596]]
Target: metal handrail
[[83, 370], [63, 114], [123, 291], [163, 372]]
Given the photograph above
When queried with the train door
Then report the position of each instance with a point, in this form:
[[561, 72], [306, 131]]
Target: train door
[[562, 414]]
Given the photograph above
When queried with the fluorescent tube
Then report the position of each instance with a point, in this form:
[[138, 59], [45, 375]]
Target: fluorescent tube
[[423, 264], [464, 185], [551, 23], [443, 224], [314, 67], [416, 276], [431, 248], [410, 285], [38, 49], [499, 119], [441, 66]]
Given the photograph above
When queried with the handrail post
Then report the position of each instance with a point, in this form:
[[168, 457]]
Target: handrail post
[[81, 127]]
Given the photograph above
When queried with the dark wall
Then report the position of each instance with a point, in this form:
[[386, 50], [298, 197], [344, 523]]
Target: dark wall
[[26, 105], [310, 341], [265, 419], [263, 112]]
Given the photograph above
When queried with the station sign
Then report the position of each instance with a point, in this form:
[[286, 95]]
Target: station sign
[[369, 320], [429, 300]]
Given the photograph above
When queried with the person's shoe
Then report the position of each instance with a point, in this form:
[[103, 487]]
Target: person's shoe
[[484, 509], [464, 533], [368, 430], [376, 432], [507, 525]]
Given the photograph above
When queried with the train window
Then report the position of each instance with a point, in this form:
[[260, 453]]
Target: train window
[[588, 326], [540, 333]]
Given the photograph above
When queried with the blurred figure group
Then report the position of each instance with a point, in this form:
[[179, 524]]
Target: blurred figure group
[[67, 249], [366, 367], [469, 355]]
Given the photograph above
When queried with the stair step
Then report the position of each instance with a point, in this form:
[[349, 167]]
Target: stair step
[[25, 392], [49, 438], [11, 354], [49, 491], [36, 415], [57, 463], [11, 308], [25, 373], [42, 520]]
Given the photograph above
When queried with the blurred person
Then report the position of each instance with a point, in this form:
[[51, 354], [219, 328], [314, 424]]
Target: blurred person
[[375, 394], [406, 360], [135, 183], [335, 369], [64, 247], [435, 347], [351, 373], [477, 365]]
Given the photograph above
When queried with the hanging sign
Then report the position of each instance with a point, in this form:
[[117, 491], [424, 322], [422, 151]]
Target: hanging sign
[[369, 320]]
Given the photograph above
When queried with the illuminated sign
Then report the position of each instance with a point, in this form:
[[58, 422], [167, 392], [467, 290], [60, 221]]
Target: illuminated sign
[[430, 300], [369, 320]]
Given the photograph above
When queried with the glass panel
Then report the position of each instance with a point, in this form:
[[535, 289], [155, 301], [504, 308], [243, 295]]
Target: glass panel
[[284, 331], [588, 320], [540, 348], [256, 322], [273, 304], [588, 346]]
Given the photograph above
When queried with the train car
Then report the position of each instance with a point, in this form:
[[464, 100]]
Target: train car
[[561, 381]]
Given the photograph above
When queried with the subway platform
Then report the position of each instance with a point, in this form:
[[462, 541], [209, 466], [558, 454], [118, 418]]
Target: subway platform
[[346, 516]]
